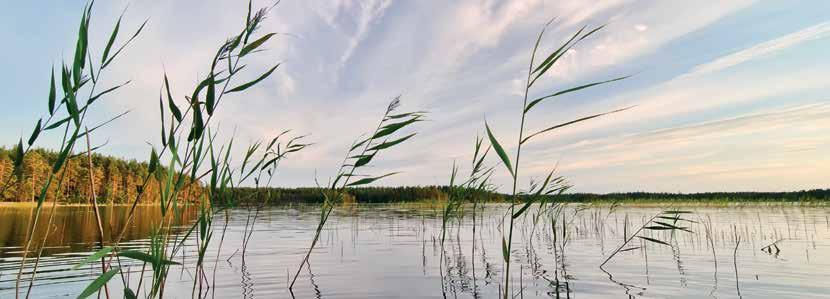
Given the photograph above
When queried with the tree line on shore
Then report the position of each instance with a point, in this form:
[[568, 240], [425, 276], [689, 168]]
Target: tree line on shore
[[438, 193], [116, 180], [113, 180]]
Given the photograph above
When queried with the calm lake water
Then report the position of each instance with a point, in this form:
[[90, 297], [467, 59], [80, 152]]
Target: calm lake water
[[393, 251]]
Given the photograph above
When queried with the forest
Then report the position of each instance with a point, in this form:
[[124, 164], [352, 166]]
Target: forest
[[115, 180]]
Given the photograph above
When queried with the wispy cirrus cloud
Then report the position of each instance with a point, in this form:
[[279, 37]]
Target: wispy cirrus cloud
[[788, 140], [716, 97], [767, 48]]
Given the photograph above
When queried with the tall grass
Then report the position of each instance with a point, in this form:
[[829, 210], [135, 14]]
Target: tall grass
[[477, 182], [187, 146], [665, 221], [468, 190], [536, 72], [202, 158], [79, 92], [359, 155]]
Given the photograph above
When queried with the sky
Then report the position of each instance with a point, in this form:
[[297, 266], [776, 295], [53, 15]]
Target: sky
[[730, 95]]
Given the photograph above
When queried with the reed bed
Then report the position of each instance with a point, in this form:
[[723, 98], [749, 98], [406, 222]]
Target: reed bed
[[187, 143], [188, 153]]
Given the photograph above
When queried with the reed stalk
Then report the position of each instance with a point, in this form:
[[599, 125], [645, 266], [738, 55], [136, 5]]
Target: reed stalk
[[653, 224], [379, 140], [94, 200], [534, 73], [73, 79]]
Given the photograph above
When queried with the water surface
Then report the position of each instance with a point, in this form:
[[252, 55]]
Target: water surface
[[394, 251]]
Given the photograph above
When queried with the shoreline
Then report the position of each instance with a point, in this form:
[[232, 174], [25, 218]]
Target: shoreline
[[433, 202], [29, 204]]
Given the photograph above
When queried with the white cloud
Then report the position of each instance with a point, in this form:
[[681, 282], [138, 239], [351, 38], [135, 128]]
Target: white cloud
[[367, 13], [463, 60], [788, 140], [620, 44], [765, 49]]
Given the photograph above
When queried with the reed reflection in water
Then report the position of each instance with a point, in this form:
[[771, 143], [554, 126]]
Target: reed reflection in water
[[393, 251]]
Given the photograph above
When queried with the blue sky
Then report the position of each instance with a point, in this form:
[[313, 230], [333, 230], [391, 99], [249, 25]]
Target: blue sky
[[731, 95]]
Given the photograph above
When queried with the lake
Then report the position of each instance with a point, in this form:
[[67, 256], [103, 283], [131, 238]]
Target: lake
[[394, 251]]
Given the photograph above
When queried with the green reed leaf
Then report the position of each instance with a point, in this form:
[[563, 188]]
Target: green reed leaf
[[62, 157], [43, 191], [255, 44], [252, 83], [553, 57], [504, 251], [72, 110], [591, 32], [556, 55], [356, 145], [66, 83], [453, 174], [111, 89], [94, 257], [57, 124], [630, 249], [137, 32], [366, 181], [104, 123], [394, 127], [52, 93], [523, 209], [477, 165], [654, 240], [677, 212], [154, 161], [144, 257], [536, 45], [92, 150], [478, 143], [36, 132], [198, 124], [80, 50], [389, 144], [177, 113], [18, 157], [129, 294], [91, 68], [210, 98], [111, 40], [572, 122], [98, 283], [676, 219], [672, 227], [499, 150], [402, 115], [536, 101], [363, 159], [657, 227], [204, 83]]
